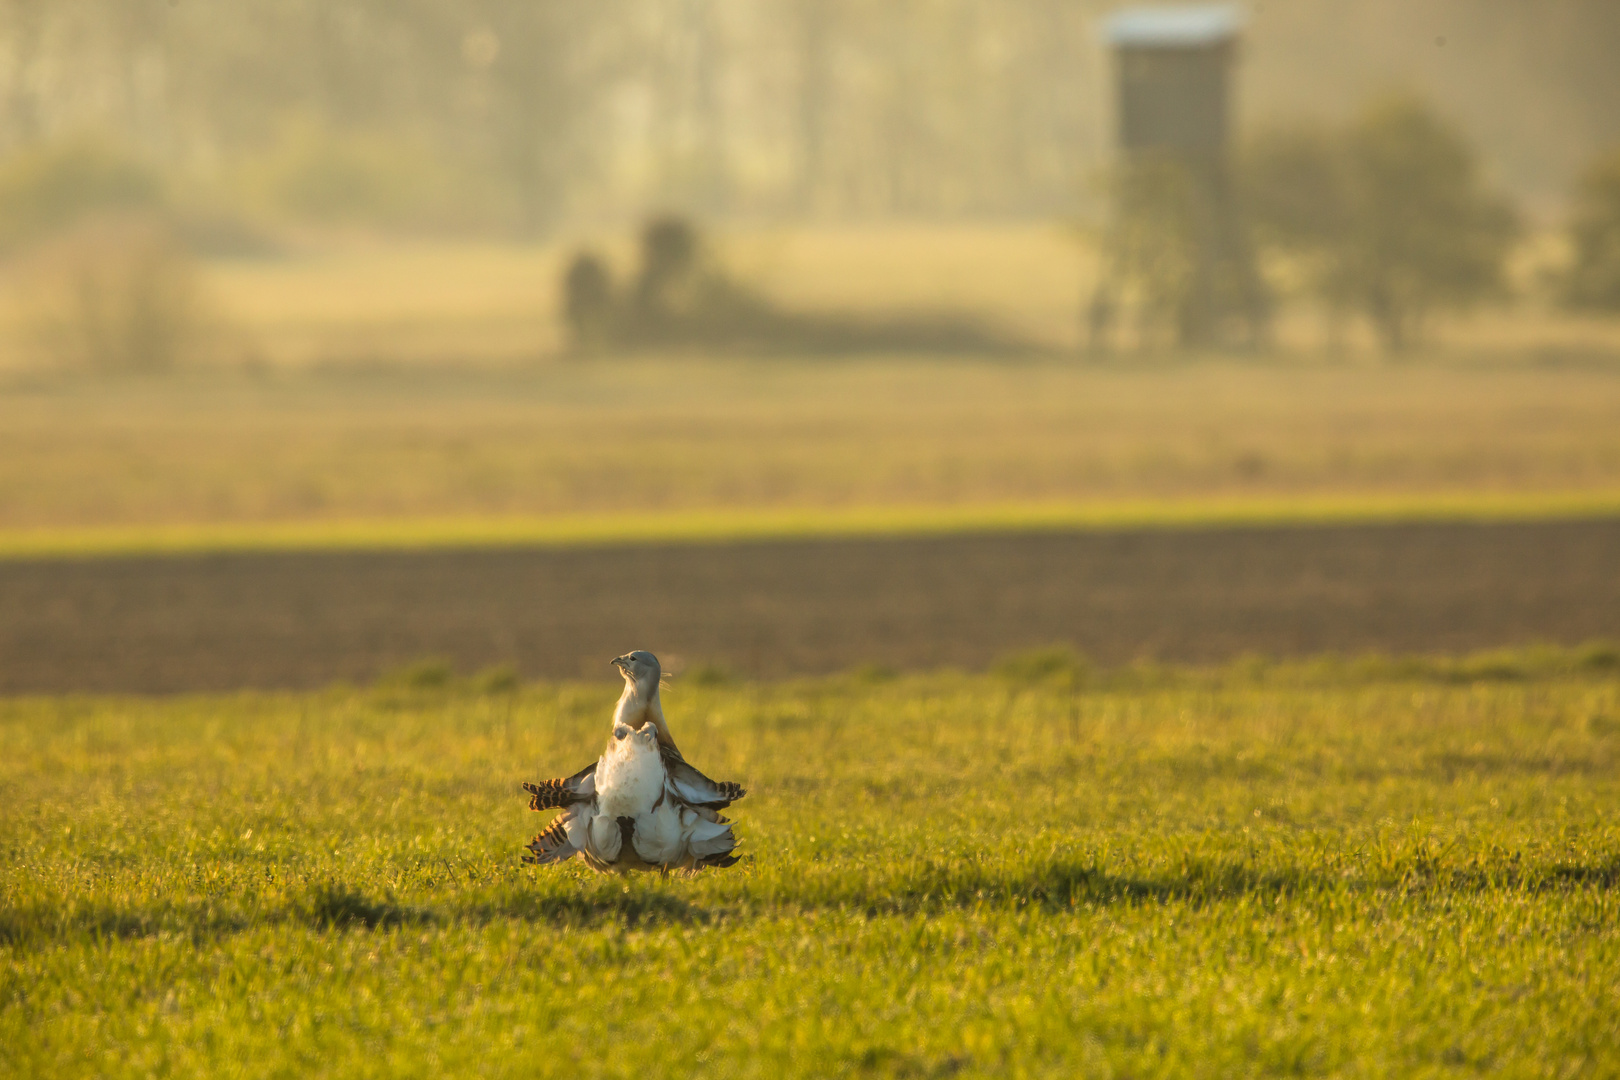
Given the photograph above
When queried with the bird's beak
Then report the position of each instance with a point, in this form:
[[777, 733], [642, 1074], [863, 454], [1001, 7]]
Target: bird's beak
[[620, 662]]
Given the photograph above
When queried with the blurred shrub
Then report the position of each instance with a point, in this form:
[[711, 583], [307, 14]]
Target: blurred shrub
[[1594, 230], [114, 294], [873, 674], [707, 675], [1598, 656], [429, 673], [49, 188], [1052, 664], [1389, 214], [588, 303], [318, 175], [681, 297], [499, 679]]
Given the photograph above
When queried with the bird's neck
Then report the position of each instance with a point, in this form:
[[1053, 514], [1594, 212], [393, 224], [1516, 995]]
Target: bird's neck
[[632, 708], [638, 706]]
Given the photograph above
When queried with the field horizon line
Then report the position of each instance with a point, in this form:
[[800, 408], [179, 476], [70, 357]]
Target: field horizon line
[[733, 525]]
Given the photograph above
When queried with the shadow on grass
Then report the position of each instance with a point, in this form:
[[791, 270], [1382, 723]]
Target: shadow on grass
[[587, 906], [54, 922], [335, 906], [1063, 885], [1056, 886]]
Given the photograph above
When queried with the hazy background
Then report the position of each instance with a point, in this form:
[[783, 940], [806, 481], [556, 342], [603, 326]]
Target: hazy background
[[388, 180], [520, 118], [226, 229]]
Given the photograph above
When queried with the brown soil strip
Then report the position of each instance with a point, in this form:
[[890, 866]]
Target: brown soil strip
[[780, 608]]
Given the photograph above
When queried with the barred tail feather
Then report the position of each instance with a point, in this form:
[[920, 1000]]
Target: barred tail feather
[[556, 794], [694, 789], [552, 845]]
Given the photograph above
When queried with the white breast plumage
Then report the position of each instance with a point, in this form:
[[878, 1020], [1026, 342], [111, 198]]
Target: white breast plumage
[[630, 775]]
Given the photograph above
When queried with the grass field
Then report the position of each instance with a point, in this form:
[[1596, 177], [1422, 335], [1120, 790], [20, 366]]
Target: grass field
[[700, 447], [743, 524], [346, 299], [1367, 868], [409, 394]]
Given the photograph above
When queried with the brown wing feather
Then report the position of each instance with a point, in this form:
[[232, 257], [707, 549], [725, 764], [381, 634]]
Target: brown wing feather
[[695, 789], [551, 846], [556, 794]]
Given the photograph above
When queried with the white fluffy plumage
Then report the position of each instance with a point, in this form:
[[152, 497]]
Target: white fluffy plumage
[[641, 806]]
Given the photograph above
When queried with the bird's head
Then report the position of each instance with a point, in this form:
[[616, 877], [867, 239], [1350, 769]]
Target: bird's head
[[627, 739], [640, 669]]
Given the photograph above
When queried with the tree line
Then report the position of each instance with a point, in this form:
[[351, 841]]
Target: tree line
[[1387, 216], [518, 115]]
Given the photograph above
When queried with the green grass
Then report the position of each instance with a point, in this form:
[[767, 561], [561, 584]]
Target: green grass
[[1364, 868]]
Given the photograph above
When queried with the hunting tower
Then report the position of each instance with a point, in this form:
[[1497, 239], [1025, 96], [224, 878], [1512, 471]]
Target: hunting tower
[[1173, 69]]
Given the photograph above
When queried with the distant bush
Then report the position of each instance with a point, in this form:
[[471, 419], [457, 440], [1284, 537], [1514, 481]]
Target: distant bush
[[499, 679], [116, 294], [1593, 281], [50, 188], [1389, 215], [429, 673], [1055, 663], [680, 296], [1531, 662], [872, 674], [54, 187], [1598, 656], [707, 675], [313, 173], [1062, 666], [588, 304]]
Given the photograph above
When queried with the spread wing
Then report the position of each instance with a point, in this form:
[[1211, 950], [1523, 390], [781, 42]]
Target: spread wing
[[693, 788], [556, 794], [555, 845]]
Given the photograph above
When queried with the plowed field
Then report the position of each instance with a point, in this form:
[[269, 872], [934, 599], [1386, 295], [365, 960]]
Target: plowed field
[[165, 624]]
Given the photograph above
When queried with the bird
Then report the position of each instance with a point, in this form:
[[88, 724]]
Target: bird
[[641, 805]]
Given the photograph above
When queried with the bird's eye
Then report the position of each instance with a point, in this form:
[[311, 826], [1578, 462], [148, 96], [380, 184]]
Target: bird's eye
[[621, 733]]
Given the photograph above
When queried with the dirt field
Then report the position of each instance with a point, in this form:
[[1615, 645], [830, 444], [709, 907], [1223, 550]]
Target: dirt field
[[772, 609]]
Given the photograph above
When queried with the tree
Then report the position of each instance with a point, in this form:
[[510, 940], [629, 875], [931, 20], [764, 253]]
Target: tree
[[1389, 215], [1594, 232], [588, 302], [1177, 253]]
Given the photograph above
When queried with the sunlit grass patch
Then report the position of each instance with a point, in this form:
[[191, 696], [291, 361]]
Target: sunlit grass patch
[[715, 526], [1369, 867], [687, 447]]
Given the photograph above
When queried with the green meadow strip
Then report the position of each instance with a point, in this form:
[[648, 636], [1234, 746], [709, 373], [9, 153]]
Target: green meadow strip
[[712, 526], [1406, 867]]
